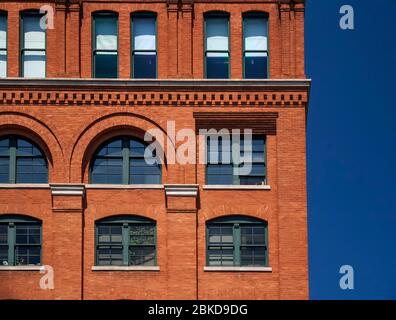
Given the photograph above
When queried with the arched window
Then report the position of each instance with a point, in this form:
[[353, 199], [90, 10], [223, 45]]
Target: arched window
[[255, 45], [126, 241], [20, 240], [21, 161], [217, 45], [122, 161], [237, 241]]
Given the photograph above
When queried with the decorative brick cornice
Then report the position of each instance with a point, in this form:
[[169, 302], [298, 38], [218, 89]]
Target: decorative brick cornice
[[255, 93], [259, 122]]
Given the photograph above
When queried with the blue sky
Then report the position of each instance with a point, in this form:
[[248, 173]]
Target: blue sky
[[351, 141]]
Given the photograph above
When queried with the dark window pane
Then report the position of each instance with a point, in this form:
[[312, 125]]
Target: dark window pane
[[143, 173], [144, 256], [4, 147], [105, 65], [253, 256], [107, 171], [28, 234], [3, 234], [256, 66], [31, 170], [4, 255], [217, 66], [4, 170], [27, 255], [145, 65]]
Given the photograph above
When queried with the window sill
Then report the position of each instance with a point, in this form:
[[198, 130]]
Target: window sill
[[24, 186], [236, 187], [21, 268], [238, 269], [122, 186], [125, 268]]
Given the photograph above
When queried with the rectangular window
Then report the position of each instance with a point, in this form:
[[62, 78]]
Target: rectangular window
[[253, 246], [105, 46], [255, 31], [33, 46], [3, 45], [227, 166], [144, 46], [217, 47]]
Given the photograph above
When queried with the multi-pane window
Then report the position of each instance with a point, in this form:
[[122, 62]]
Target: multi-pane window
[[144, 46], [255, 31], [21, 161], [123, 161], [105, 45], [241, 162], [3, 44], [33, 46], [237, 241], [20, 241], [126, 241], [217, 53]]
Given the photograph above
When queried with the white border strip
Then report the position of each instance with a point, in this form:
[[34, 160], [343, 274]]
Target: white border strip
[[238, 269], [129, 268]]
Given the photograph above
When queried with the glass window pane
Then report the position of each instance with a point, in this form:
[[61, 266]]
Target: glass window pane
[[107, 171], [221, 257], [3, 63], [3, 234], [34, 36], [4, 147], [217, 65], [143, 256], [27, 255], [217, 34], [256, 66], [106, 65], [144, 33], [110, 255], [113, 149], [33, 64], [31, 170], [106, 33], [3, 31], [3, 255], [4, 170], [253, 256], [256, 33], [145, 65]]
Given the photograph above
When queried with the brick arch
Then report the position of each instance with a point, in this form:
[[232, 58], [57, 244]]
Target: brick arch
[[259, 212], [15, 123], [106, 128]]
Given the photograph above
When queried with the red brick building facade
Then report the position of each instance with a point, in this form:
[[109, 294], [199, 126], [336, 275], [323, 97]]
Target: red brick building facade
[[69, 113]]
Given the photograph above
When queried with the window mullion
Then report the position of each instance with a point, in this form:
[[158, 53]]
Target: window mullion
[[237, 244], [13, 164], [125, 244], [11, 244], [125, 161]]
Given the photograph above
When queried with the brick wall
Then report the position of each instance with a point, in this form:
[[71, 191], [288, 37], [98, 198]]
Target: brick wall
[[69, 127]]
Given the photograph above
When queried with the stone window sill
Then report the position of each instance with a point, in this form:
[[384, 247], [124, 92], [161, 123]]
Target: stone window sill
[[238, 269], [24, 186], [122, 186], [236, 187], [21, 268], [125, 268]]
